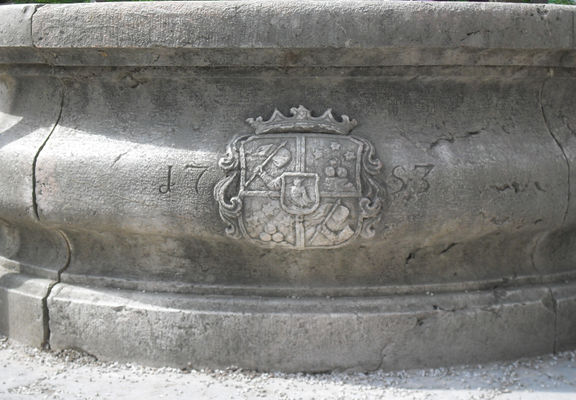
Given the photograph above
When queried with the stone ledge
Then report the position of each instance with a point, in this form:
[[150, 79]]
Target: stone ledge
[[303, 33], [306, 334], [304, 24]]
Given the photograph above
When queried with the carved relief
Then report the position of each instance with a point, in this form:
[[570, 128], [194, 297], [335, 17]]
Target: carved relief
[[300, 182], [409, 183]]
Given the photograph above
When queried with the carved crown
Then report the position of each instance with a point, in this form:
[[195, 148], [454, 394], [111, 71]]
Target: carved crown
[[302, 121]]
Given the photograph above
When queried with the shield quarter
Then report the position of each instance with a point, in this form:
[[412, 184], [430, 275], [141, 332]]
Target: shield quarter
[[299, 193], [302, 183]]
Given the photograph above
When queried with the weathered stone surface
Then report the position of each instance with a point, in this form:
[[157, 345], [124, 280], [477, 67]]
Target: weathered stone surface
[[556, 96], [314, 24], [29, 110], [21, 306], [33, 250], [140, 151], [305, 33], [305, 334], [16, 25], [462, 201], [30, 106], [565, 307], [16, 35]]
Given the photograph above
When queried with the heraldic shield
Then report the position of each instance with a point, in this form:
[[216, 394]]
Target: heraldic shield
[[302, 183]]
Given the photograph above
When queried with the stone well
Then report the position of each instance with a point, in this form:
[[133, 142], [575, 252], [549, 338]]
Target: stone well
[[295, 186]]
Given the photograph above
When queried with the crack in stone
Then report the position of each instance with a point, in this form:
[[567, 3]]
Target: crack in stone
[[36, 8], [533, 255], [452, 138], [569, 177], [44, 301], [45, 54], [411, 256], [553, 306], [381, 360], [448, 248], [45, 309], [35, 161], [573, 32], [436, 307]]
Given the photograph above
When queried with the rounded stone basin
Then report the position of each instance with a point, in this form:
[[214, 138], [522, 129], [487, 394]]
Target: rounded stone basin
[[301, 186]]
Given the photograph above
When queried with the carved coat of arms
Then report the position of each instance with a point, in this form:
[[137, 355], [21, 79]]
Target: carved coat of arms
[[300, 182]]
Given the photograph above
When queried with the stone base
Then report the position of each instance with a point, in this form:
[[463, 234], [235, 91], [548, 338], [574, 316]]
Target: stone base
[[310, 334], [22, 312], [290, 334], [140, 151]]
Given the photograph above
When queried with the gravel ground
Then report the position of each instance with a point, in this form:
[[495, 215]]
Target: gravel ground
[[28, 373]]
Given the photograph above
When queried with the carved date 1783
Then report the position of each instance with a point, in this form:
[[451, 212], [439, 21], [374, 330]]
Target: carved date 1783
[[300, 182]]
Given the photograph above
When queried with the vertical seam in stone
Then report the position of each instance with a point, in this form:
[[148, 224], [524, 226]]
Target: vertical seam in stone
[[533, 250], [555, 327], [31, 30], [36, 8], [35, 161], [573, 33], [45, 309], [568, 176], [45, 54]]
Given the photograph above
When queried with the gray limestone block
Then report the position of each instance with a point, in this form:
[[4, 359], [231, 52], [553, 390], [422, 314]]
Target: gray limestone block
[[16, 25], [308, 33], [427, 220], [557, 95], [290, 57], [301, 335], [314, 24], [31, 249], [21, 307], [29, 110], [30, 106], [16, 35], [463, 200], [565, 305]]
